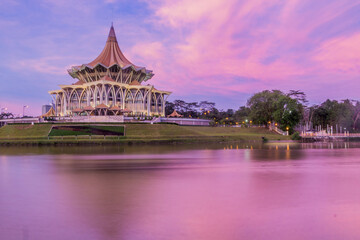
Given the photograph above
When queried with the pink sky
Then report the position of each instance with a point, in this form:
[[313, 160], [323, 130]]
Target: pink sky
[[222, 51]]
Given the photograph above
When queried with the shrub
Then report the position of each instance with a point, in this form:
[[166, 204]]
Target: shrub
[[296, 136]]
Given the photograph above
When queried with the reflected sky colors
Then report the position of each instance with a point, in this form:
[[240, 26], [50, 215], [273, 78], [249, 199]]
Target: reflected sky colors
[[215, 50], [272, 191]]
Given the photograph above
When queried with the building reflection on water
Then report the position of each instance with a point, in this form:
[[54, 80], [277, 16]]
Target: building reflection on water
[[273, 151], [231, 191]]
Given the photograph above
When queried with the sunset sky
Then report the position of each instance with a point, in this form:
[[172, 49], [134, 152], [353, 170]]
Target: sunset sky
[[215, 50]]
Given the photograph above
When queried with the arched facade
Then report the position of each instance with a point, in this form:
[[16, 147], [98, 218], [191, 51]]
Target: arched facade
[[134, 99]]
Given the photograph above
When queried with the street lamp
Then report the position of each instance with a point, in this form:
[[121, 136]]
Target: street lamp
[[25, 106]]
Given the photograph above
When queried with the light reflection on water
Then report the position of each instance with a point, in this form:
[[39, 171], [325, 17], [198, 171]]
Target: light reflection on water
[[220, 191]]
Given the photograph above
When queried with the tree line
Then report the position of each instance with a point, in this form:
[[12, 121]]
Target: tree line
[[6, 115], [289, 111]]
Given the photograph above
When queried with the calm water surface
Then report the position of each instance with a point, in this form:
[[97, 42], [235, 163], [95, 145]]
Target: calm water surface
[[270, 191]]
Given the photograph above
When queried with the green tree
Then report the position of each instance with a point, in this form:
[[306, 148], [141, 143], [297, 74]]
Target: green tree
[[332, 113], [288, 112], [276, 106], [169, 108], [6, 115], [262, 105], [242, 114]]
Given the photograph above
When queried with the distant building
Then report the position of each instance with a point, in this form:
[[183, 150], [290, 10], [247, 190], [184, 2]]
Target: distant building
[[45, 109], [109, 85]]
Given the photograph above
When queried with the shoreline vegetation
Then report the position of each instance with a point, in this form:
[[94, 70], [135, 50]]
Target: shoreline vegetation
[[39, 134]]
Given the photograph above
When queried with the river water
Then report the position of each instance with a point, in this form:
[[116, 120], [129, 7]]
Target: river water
[[212, 192]]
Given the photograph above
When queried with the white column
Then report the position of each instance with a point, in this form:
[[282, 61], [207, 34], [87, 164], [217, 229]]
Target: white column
[[123, 98]]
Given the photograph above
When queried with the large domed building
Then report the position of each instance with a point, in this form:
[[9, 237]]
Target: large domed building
[[110, 85]]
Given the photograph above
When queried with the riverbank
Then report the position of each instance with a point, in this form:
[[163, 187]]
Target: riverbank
[[330, 138], [38, 134]]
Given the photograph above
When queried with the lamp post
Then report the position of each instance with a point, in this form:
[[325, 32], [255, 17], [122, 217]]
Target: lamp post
[[25, 106]]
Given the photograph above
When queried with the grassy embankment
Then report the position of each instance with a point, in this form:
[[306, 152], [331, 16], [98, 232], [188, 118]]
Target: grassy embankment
[[137, 133]]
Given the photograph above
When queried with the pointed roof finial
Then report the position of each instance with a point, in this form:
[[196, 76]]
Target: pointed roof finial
[[112, 36], [111, 55]]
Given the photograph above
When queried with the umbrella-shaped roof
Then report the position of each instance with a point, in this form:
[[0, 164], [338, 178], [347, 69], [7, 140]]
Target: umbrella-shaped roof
[[175, 114], [89, 108], [50, 113], [77, 110], [115, 108], [111, 55], [101, 106]]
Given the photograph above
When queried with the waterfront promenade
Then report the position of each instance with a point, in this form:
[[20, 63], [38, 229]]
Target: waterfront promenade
[[324, 136]]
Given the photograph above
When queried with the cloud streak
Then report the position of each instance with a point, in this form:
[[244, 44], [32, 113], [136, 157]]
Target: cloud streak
[[270, 41], [208, 49]]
